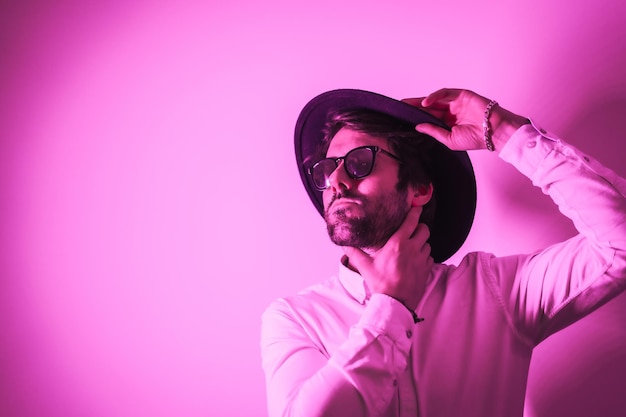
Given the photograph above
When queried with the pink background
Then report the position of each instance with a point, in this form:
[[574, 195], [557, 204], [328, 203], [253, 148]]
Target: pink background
[[150, 206]]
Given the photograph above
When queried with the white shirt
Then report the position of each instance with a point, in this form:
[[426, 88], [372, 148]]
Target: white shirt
[[334, 349]]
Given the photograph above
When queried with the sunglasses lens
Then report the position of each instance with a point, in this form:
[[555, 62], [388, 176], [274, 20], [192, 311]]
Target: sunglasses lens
[[320, 172], [359, 162]]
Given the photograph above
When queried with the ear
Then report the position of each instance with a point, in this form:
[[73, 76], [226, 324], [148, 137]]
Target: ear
[[420, 195]]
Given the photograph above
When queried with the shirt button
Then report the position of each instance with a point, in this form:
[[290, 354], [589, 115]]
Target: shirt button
[[531, 144], [409, 334]]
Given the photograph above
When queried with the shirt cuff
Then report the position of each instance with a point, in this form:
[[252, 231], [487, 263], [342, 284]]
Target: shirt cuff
[[386, 315], [528, 147]]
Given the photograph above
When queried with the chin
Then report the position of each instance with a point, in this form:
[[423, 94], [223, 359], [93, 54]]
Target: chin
[[344, 214]]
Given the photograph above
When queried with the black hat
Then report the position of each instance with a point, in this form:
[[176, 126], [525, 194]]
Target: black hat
[[453, 176]]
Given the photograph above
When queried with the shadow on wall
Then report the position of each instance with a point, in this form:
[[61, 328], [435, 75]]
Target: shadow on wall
[[580, 370]]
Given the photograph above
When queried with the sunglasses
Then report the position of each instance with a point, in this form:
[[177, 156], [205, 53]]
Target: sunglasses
[[358, 163]]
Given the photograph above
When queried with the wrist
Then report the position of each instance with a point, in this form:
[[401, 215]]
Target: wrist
[[416, 319], [504, 124]]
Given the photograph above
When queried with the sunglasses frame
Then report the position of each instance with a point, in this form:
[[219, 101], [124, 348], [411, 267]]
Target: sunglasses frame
[[373, 149]]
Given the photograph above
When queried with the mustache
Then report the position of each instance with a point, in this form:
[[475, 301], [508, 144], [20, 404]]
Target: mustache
[[344, 194]]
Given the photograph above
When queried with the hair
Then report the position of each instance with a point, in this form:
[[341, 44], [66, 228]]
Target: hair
[[411, 147]]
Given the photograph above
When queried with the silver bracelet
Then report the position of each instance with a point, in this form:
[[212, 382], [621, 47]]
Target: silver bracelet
[[487, 127]]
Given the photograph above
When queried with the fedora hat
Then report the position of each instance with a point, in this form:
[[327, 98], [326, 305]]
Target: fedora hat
[[452, 174]]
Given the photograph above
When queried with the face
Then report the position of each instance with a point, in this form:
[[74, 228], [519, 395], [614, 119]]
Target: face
[[363, 212]]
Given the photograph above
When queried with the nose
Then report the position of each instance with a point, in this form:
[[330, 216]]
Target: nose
[[339, 179]]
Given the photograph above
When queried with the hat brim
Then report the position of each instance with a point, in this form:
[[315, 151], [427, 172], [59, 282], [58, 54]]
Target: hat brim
[[453, 176]]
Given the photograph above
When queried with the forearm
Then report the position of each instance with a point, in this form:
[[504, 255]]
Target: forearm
[[357, 379]]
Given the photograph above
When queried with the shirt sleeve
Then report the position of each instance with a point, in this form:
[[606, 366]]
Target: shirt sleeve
[[360, 377], [548, 290]]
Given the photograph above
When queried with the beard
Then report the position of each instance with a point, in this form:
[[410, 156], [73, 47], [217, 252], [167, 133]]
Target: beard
[[371, 223]]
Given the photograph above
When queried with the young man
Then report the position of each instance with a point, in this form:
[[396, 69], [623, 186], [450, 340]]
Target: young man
[[398, 333]]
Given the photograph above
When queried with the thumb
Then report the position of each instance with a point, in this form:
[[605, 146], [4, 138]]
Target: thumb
[[441, 134], [357, 258]]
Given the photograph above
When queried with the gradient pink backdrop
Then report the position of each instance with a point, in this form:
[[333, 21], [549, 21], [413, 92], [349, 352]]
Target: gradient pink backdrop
[[150, 206]]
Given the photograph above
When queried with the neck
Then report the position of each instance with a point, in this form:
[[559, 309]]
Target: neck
[[345, 261]]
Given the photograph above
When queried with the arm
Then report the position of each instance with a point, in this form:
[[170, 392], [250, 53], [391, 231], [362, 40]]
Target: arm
[[566, 281], [357, 380], [548, 290]]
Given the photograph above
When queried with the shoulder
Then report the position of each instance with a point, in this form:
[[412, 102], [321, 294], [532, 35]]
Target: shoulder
[[477, 269], [469, 264]]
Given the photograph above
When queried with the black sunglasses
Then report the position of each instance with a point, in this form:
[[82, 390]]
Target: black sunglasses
[[358, 163]]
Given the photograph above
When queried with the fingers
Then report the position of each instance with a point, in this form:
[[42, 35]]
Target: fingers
[[415, 101], [441, 98], [463, 111], [421, 233], [410, 230], [437, 104], [436, 108], [442, 135], [408, 226]]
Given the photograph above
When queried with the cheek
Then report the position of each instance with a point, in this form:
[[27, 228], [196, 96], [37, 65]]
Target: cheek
[[372, 185]]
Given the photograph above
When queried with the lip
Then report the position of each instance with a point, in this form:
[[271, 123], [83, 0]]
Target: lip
[[343, 202]]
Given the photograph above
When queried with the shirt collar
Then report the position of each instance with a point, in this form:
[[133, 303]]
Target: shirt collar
[[356, 286], [353, 282]]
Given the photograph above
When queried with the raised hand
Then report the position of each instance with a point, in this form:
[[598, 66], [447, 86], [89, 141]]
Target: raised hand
[[464, 112], [401, 267]]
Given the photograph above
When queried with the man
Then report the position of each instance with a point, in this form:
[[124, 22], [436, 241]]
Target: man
[[398, 333]]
